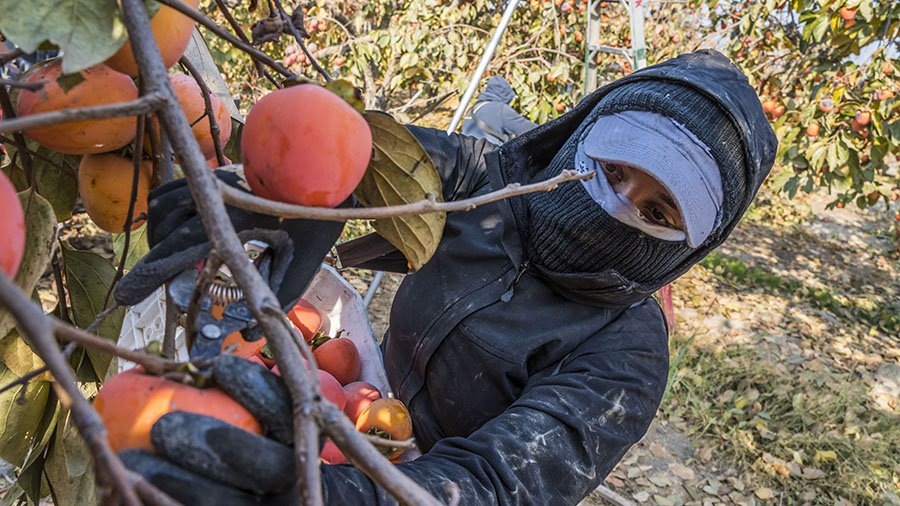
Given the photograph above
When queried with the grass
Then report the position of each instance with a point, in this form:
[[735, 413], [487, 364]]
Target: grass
[[811, 433], [856, 308]]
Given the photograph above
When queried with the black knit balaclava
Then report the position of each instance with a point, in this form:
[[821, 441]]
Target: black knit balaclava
[[568, 232]]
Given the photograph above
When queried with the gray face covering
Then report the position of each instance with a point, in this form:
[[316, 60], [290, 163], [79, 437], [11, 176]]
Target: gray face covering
[[616, 205]]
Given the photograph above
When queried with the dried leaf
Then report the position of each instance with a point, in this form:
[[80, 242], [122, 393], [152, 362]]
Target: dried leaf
[[825, 456], [765, 493], [40, 226], [401, 172], [682, 471]]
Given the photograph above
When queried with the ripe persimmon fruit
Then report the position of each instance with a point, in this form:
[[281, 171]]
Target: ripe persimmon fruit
[[331, 390], [307, 318], [104, 182], [130, 402], [340, 357], [359, 395], [387, 418], [190, 97], [172, 32], [101, 85], [12, 228], [304, 145]]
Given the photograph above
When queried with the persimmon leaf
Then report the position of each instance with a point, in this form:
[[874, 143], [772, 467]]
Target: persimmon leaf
[[401, 172]]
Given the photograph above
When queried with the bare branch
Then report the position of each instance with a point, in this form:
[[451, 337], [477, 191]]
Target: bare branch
[[223, 8], [101, 317], [151, 363], [212, 26], [390, 443], [288, 20], [142, 105], [207, 104], [253, 203], [38, 329], [151, 495]]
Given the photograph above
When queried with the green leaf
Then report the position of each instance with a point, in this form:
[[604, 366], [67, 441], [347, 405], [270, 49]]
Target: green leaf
[[88, 277], [17, 356], [19, 421], [68, 467], [137, 248], [55, 176], [40, 226], [401, 172], [88, 32]]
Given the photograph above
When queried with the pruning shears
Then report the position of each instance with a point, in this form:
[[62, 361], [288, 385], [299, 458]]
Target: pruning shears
[[225, 299]]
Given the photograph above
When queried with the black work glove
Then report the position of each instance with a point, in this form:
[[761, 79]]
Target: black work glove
[[178, 240], [203, 461]]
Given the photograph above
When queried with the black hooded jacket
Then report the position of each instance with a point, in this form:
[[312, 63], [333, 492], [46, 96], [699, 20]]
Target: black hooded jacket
[[492, 118], [525, 386]]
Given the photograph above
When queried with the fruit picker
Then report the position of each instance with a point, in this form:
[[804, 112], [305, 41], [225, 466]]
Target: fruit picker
[[529, 349]]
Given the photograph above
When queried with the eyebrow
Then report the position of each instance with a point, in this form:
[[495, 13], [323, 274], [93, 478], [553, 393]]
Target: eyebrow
[[667, 199]]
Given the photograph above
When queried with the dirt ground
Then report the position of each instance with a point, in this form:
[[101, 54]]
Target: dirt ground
[[785, 378]]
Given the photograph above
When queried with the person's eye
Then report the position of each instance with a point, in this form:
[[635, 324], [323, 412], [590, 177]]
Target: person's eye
[[655, 214], [614, 171]]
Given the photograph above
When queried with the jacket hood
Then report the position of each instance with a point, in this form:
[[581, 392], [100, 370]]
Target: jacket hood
[[707, 72], [497, 90]]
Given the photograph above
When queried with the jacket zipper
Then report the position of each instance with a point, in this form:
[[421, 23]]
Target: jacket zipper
[[510, 290]]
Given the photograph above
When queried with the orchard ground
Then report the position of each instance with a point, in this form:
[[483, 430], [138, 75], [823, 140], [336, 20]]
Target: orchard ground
[[785, 379]]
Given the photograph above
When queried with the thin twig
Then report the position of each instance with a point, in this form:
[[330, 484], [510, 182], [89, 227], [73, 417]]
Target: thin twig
[[168, 345], [67, 352], [223, 8], [608, 495], [151, 495], [21, 146], [136, 158], [141, 105], [101, 317], [201, 288], [390, 443], [212, 26], [151, 363], [39, 156], [253, 203], [38, 329], [207, 104], [10, 56], [60, 288], [17, 84], [299, 38]]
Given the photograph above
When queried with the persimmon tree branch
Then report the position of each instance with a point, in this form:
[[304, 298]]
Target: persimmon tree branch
[[288, 19], [222, 33], [223, 8], [208, 109], [39, 330], [151, 363], [142, 105], [244, 200]]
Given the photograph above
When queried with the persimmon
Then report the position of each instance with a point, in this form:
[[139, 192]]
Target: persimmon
[[847, 13], [101, 85], [240, 347], [387, 418], [331, 454], [826, 105], [769, 105], [12, 228], [778, 111], [172, 32], [813, 130], [130, 402], [304, 145], [190, 97], [863, 117], [331, 389], [340, 357], [307, 318], [359, 395], [104, 182]]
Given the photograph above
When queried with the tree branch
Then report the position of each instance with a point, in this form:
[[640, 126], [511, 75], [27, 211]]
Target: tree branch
[[223, 8], [256, 204], [142, 105], [290, 23], [211, 25], [38, 328], [151, 363], [207, 104]]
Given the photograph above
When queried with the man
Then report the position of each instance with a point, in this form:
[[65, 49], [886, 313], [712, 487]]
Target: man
[[492, 118], [529, 350]]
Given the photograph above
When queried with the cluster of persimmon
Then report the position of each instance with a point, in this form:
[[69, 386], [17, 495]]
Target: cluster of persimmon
[[130, 402]]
